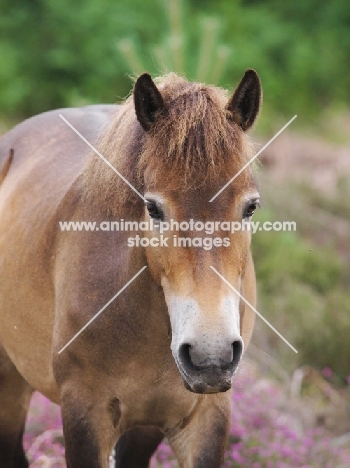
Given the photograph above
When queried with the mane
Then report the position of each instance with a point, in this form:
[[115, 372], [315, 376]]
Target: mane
[[192, 143]]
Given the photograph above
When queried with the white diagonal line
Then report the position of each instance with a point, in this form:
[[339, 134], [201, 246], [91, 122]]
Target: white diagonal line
[[251, 160], [253, 308], [103, 158], [101, 310]]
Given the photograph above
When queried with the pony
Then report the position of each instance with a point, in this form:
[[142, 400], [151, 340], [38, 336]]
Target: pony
[[159, 361]]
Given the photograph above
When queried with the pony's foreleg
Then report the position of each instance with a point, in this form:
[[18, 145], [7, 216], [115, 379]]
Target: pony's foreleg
[[135, 448], [200, 440], [89, 426], [15, 396]]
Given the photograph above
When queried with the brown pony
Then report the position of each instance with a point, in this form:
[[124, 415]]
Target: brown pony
[[160, 359]]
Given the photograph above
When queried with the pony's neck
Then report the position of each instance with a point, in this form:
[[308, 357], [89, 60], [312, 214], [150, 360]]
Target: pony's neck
[[121, 145]]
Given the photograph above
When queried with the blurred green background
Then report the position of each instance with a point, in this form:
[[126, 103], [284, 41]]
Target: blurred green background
[[57, 53]]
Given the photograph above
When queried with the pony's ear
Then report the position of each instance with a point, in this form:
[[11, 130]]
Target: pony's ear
[[148, 101], [243, 107]]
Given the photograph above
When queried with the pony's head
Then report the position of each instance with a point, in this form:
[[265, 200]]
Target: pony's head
[[195, 141]]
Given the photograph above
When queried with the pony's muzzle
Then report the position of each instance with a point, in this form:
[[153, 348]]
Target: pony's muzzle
[[208, 373]]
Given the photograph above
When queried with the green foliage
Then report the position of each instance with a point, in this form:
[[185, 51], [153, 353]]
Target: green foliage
[[56, 53], [194, 52], [302, 292], [289, 255]]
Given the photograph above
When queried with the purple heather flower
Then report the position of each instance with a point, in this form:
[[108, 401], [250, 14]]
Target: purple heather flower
[[327, 372], [264, 433]]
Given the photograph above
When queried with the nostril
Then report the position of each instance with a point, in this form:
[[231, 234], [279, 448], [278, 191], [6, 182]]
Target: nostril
[[228, 360], [237, 350], [185, 356]]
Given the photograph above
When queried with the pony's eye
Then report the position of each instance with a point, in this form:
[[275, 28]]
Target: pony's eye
[[250, 209], [153, 210]]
